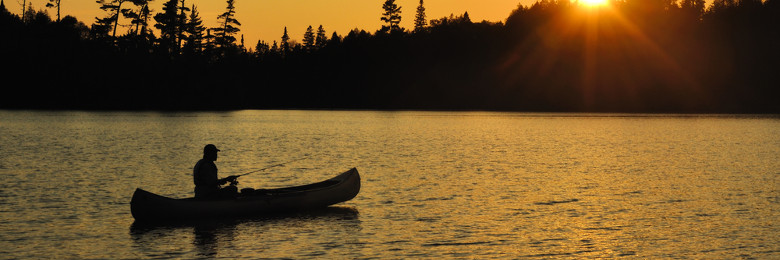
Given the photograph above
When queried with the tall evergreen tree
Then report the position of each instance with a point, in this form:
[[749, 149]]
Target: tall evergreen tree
[[284, 46], [320, 40], [181, 23], [228, 27], [419, 20], [194, 32], [308, 39], [168, 23], [391, 16]]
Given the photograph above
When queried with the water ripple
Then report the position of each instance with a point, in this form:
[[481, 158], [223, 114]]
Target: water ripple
[[435, 184]]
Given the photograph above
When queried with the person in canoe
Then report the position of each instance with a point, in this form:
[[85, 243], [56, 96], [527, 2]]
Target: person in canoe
[[207, 183]]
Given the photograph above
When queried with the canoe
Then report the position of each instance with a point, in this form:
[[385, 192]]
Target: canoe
[[149, 207]]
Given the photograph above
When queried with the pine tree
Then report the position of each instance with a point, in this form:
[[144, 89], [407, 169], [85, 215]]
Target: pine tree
[[181, 23], [262, 48], [284, 46], [208, 42], [139, 17], [308, 39], [194, 30], [168, 23], [334, 39], [29, 14], [224, 35], [4, 13], [419, 20], [391, 16], [275, 48], [321, 39]]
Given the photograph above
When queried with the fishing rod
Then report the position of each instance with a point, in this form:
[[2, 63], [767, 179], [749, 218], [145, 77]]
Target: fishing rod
[[272, 166]]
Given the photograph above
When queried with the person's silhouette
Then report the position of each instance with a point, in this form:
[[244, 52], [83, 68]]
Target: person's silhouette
[[207, 184]]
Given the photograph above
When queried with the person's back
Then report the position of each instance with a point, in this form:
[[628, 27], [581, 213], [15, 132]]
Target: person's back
[[205, 178], [204, 174]]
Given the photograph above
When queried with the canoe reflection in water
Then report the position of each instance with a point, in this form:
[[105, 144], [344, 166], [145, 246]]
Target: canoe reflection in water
[[214, 238]]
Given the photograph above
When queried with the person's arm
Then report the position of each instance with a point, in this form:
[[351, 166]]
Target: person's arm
[[227, 179]]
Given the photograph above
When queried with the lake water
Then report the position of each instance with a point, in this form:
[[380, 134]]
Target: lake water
[[435, 184]]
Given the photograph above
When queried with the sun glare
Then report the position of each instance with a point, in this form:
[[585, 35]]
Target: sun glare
[[594, 2]]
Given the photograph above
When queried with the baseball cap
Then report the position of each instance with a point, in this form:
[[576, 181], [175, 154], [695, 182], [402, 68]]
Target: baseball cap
[[210, 147]]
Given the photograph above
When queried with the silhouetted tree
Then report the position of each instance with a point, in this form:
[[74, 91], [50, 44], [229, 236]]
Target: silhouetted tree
[[652, 56], [693, 8], [391, 16], [114, 10], [451, 20], [5, 15], [181, 23], [721, 5], [55, 4], [321, 40], [194, 30], [262, 48], [169, 24], [284, 46], [335, 39], [140, 17], [274, 48], [309, 39], [37, 19], [73, 29], [420, 21], [224, 34], [24, 9], [208, 42], [28, 14]]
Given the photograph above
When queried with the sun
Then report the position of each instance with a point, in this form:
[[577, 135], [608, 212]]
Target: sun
[[594, 2]]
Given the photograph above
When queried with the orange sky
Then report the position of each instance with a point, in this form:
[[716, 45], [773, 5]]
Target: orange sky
[[266, 19]]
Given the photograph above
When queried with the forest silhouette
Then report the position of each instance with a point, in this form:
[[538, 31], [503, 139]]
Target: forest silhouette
[[656, 56]]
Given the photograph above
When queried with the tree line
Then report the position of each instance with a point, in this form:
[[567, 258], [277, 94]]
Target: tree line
[[633, 56]]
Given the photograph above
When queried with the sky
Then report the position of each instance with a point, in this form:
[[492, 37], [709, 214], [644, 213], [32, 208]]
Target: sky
[[266, 19]]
